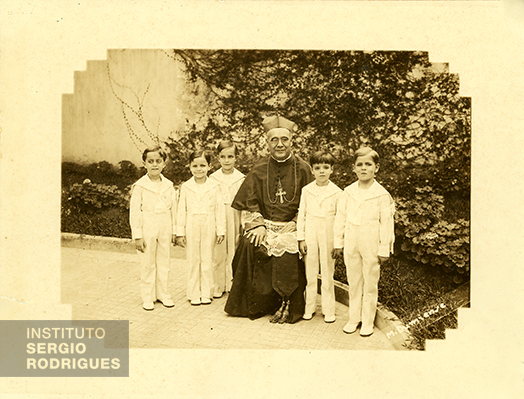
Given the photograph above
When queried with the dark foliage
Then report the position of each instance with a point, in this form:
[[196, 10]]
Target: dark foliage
[[88, 197], [397, 102], [111, 222], [101, 173], [410, 291]]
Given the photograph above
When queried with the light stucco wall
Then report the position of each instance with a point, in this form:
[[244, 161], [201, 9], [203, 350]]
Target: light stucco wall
[[93, 126]]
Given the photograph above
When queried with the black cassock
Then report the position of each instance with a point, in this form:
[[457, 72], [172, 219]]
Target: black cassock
[[261, 281]]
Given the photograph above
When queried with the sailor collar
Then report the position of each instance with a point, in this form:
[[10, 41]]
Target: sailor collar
[[146, 183], [331, 189], [376, 190], [192, 185], [220, 175]]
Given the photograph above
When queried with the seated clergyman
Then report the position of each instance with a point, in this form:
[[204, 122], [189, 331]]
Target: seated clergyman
[[268, 275]]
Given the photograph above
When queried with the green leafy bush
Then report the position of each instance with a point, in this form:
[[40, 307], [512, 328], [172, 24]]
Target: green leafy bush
[[101, 172], [128, 171], [425, 236], [89, 197], [399, 103]]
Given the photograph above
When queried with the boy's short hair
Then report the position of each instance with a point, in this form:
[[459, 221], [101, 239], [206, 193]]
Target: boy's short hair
[[200, 153], [155, 148], [362, 152], [226, 144], [322, 157]]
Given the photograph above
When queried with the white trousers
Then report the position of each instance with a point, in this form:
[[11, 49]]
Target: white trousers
[[157, 232], [201, 238], [363, 272], [319, 241], [225, 251]]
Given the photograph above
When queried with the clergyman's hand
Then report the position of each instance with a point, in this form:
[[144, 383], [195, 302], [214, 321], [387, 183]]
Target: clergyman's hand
[[257, 235]]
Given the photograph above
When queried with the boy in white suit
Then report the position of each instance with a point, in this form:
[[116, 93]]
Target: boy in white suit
[[230, 180], [316, 216], [152, 213], [364, 229], [201, 223]]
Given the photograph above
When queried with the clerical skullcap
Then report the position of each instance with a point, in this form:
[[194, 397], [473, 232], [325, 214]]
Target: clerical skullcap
[[273, 122]]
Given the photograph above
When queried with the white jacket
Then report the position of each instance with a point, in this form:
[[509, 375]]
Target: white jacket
[[145, 197], [316, 202], [228, 187], [375, 207], [205, 200]]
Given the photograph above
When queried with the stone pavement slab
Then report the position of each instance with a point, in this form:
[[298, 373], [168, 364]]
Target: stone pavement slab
[[104, 285]]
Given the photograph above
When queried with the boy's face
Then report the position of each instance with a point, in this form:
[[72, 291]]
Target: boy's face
[[322, 172], [227, 159], [365, 168], [199, 168], [154, 164]]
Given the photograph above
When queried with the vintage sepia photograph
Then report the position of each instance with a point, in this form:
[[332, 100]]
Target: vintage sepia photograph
[[396, 109]]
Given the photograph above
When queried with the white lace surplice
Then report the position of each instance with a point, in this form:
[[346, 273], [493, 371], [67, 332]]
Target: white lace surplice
[[276, 243]]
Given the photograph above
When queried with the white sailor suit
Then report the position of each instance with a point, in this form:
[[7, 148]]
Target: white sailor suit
[[152, 212], [364, 227], [224, 252], [200, 218], [316, 217]]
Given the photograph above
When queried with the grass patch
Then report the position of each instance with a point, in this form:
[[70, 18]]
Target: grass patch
[[411, 290], [112, 222]]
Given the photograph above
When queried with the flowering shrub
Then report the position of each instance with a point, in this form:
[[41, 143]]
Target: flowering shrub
[[425, 237], [91, 197], [102, 173]]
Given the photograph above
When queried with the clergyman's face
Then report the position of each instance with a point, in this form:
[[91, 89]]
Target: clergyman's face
[[279, 143]]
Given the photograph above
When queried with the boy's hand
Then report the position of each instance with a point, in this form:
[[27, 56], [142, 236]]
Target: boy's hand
[[337, 253], [382, 260], [181, 240], [140, 244], [220, 239], [173, 239], [302, 247]]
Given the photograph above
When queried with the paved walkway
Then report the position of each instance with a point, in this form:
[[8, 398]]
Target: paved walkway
[[104, 285]]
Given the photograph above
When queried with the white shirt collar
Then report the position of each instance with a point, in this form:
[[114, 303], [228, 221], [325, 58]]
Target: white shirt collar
[[283, 160]]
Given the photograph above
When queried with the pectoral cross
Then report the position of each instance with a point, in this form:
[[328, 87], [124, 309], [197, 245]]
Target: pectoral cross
[[280, 192]]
